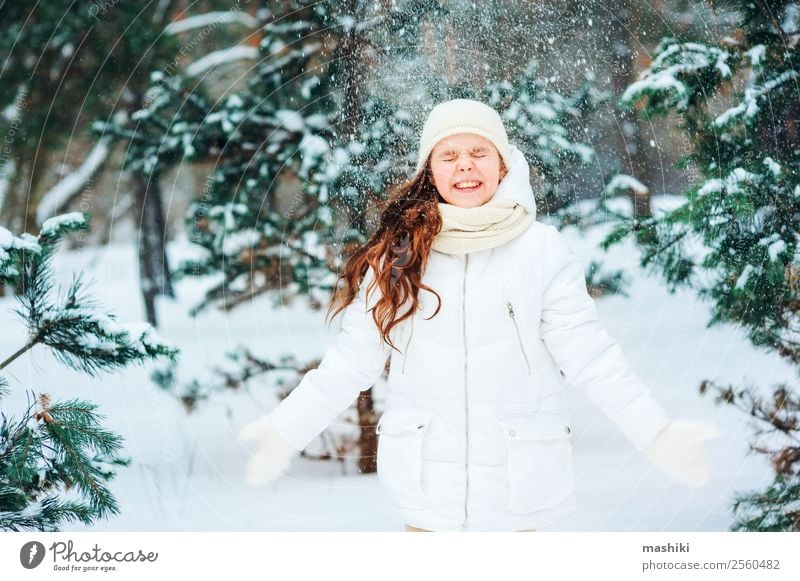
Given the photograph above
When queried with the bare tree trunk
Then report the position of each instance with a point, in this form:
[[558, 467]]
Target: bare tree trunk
[[353, 62], [368, 440], [623, 72], [19, 207], [154, 275]]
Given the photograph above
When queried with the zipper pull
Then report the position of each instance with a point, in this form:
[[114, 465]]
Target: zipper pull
[[510, 309]]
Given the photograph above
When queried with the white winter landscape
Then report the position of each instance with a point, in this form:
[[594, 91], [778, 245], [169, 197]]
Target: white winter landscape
[[187, 470]]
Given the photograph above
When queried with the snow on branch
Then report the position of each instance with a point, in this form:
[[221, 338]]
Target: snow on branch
[[749, 107], [675, 65], [218, 57], [54, 226], [623, 183], [211, 18]]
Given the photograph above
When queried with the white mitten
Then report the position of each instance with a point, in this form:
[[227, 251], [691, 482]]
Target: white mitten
[[273, 455], [678, 450]]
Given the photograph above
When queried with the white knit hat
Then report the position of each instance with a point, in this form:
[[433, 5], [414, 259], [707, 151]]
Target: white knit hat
[[462, 116]]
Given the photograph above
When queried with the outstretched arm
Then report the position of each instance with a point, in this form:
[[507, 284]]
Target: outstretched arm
[[592, 360], [352, 364]]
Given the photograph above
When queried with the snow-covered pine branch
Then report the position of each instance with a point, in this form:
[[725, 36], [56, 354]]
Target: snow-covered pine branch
[[675, 67], [212, 19], [621, 184], [56, 459], [80, 336], [749, 106], [222, 56]]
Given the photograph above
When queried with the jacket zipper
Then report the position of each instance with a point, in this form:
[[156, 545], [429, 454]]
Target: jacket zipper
[[466, 391], [405, 353], [519, 337]]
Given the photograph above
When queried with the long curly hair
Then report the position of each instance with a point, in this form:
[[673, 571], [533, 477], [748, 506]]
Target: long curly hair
[[397, 252]]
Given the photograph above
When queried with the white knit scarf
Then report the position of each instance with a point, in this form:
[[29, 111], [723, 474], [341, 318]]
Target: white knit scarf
[[466, 230]]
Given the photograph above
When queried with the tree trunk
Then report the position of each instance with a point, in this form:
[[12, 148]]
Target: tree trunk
[[18, 212], [352, 59], [368, 440], [154, 275], [623, 72]]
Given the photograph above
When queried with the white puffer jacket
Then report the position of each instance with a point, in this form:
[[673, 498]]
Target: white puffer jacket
[[475, 433]]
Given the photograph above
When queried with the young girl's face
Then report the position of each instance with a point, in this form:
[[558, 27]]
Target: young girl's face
[[466, 169]]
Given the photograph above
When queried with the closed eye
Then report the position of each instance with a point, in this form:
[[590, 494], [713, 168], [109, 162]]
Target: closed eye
[[453, 158]]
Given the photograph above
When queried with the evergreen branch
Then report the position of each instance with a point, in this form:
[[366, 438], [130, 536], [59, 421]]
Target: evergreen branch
[[774, 510], [70, 429], [73, 428], [43, 515], [79, 418], [37, 282], [19, 445], [19, 352], [774, 21], [78, 469]]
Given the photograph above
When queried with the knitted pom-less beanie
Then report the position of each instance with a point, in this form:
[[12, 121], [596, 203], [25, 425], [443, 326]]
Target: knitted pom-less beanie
[[462, 116]]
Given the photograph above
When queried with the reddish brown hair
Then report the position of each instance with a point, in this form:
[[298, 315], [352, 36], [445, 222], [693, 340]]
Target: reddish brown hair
[[397, 252]]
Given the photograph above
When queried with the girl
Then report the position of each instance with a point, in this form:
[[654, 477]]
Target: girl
[[485, 315]]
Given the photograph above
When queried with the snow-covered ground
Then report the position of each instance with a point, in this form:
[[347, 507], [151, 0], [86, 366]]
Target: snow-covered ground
[[187, 472]]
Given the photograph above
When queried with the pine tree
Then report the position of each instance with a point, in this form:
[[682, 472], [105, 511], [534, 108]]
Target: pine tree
[[66, 62], [734, 237], [56, 459], [63, 60]]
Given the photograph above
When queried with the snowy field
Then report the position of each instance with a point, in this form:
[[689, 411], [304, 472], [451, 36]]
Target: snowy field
[[187, 471]]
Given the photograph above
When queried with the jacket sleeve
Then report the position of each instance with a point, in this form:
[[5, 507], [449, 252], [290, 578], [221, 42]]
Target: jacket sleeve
[[587, 355], [353, 363]]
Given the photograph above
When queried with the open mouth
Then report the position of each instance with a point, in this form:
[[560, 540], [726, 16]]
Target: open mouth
[[467, 186]]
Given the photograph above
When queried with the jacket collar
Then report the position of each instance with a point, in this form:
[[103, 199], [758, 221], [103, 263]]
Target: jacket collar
[[516, 185]]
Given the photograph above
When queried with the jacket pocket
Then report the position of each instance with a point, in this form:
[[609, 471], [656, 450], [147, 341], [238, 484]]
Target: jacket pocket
[[401, 437], [513, 318], [540, 473]]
